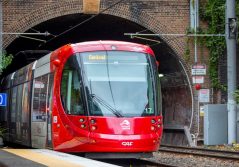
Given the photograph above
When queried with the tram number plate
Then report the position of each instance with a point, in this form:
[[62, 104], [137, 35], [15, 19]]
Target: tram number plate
[[148, 110], [127, 143]]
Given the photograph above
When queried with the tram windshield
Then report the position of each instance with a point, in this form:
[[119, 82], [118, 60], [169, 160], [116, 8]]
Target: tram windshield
[[119, 83]]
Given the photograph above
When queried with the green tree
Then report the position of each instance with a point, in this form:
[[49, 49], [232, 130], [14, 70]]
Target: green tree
[[2, 131], [6, 60]]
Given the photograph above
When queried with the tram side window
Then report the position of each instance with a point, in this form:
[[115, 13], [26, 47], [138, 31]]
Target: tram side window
[[25, 102], [19, 103], [43, 97], [39, 100], [71, 89], [13, 104]]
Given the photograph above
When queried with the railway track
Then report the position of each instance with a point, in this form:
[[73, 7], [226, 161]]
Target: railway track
[[153, 163], [137, 162], [220, 154]]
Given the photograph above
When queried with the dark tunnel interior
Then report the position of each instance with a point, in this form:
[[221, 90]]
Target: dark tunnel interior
[[74, 28]]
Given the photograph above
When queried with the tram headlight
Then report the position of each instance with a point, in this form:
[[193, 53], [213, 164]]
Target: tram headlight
[[83, 126], [93, 127], [152, 128], [153, 121], [92, 121], [82, 120]]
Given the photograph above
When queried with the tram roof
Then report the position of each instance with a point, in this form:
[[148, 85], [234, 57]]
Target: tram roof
[[111, 45]]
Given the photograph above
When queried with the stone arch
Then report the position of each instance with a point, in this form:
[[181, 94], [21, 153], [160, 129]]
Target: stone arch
[[125, 11], [40, 15]]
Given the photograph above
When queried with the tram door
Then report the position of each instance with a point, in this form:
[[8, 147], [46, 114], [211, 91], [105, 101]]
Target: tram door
[[41, 111], [49, 111]]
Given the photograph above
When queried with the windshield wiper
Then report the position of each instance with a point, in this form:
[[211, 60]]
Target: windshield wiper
[[107, 105]]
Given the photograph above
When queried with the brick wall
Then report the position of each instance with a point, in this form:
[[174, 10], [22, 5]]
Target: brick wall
[[160, 16]]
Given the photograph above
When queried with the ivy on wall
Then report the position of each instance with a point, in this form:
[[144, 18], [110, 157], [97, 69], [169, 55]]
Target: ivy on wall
[[213, 12], [189, 40], [187, 51]]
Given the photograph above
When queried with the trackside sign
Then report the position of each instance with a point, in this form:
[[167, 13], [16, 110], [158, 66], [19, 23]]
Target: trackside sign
[[199, 69], [3, 99]]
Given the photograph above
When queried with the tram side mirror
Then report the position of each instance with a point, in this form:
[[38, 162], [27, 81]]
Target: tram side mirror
[[157, 63]]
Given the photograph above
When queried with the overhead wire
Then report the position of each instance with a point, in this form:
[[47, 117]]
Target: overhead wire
[[176, 36], [79, 24], [163, 42], [142, 31], [36, 39], [34, 30], [152, 40]]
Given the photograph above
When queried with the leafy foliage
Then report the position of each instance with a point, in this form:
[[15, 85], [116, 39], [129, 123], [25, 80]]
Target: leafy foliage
[[2, 131], [236, 95], [6, 60], [187, 49], [213, 12]]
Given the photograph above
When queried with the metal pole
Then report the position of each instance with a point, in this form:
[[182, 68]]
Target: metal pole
[[231, 70], [1, 52], [177, 35], [195, 30], [26, 33]]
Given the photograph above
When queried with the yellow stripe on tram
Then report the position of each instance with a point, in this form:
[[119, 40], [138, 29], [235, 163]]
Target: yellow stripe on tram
[[47, 160]]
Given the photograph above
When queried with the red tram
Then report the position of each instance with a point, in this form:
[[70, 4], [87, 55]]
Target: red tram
[[90, 97]]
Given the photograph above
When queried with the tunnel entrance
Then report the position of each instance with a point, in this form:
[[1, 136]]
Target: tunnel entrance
[[176, 94]]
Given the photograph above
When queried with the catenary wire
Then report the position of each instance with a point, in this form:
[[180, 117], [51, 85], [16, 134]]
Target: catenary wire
[[79, 24]]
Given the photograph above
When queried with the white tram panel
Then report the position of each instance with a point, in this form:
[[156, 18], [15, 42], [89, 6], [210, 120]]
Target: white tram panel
[[42, 66]]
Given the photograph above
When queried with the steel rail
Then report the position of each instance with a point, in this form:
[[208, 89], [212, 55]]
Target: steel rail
[[232, 155], [202, 149], [151, 163]]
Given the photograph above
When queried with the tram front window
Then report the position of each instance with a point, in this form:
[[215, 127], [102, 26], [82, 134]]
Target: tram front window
[[119, 83]]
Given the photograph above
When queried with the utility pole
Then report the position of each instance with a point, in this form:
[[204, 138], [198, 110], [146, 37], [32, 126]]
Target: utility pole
[[194, 8], [231, 35]]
